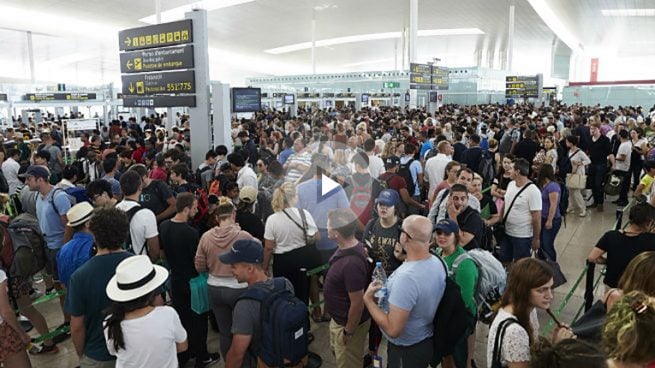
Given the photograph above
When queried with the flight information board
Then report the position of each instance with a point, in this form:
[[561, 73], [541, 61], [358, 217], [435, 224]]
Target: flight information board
[[246, 99], [520, 86], [426, 76]]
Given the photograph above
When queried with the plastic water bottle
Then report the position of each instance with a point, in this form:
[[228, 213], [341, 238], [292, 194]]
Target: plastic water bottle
[[379, 275], [382, 294]]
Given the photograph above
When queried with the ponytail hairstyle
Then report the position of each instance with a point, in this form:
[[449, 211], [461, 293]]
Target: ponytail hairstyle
[[629, 328], [116, 315], [282, 197]]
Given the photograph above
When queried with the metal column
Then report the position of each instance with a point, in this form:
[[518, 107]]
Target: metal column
[[199, 116]]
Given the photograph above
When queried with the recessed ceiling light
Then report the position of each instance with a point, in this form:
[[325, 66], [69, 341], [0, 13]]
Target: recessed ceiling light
[[178, 13], [628, 12], [372, 37]]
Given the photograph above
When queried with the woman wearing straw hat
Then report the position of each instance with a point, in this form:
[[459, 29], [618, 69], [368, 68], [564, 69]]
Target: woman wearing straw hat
[[138, 333]]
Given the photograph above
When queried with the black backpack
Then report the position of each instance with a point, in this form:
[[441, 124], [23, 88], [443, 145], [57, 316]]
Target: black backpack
[[451, 321], [284, 324], [4, 186], [405, 172], [486, 169], [128, 243]]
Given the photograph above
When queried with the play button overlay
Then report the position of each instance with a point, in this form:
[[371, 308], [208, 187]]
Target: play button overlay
[[328, 186]]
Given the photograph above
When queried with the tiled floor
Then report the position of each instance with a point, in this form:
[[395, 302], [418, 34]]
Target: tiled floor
[[573, 244]]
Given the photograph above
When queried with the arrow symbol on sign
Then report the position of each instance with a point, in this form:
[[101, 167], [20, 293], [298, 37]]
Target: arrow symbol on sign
[[128, 41], [131, 88], [129, 64]]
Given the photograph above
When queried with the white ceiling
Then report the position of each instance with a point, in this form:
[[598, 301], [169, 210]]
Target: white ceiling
[[76, 40]]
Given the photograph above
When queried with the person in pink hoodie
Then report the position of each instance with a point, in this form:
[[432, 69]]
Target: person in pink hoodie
[[224, 289]]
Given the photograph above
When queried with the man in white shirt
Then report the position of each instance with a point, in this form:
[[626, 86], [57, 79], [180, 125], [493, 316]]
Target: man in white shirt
[[246, 177], [523, 217], [435, 167], [10, 170], [375, 164], [144, 235], [622, 166]]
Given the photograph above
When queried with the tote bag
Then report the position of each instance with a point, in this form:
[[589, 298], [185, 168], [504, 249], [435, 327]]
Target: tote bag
[[199, 293], [576, 181]]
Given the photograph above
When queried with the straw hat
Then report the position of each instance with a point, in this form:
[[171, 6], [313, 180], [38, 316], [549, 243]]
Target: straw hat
[[135, 277]]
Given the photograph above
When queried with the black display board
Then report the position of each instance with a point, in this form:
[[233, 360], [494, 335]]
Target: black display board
[[158, 35], [246, 99], [159, 83]]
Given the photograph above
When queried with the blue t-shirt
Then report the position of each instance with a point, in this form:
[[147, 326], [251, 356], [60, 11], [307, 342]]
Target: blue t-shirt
[[415, 169], [552, 187], [86, 296], [311, 199], [417, 287], [115, 185], [49, 220], [426, 146], [74, 254], [284, 155]]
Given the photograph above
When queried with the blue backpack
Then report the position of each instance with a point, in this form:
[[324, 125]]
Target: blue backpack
[[284, 324]]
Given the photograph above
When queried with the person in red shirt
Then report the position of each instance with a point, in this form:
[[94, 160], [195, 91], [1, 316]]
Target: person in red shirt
[[158, 171], [137, 154]]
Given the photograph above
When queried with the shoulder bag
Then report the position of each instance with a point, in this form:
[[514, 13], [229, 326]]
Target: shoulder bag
[[499, 228], [575, 180], [309, 239]]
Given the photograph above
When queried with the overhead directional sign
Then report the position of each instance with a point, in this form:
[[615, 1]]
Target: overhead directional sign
[[165, 34], [391, 85], [152, 60], [159, 101], [3, 97], [159, 83], [71, 96]]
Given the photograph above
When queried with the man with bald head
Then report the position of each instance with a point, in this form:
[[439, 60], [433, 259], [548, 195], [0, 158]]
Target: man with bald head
[[414, 292]]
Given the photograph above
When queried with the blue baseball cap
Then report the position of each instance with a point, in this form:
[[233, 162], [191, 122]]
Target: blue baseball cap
[[448, 226], [388, 197], [36, 171], [244, 251]]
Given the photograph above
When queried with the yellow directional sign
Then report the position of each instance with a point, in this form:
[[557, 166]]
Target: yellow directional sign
[[165, 34], [140, 87], [177, 82], [159, 59], [131, 88]]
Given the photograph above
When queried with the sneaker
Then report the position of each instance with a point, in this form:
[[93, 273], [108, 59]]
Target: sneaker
[[39, 349], [212, 359], [63, 336], [582, 214]]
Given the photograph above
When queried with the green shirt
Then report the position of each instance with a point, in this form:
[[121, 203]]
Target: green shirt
[[466, 277]]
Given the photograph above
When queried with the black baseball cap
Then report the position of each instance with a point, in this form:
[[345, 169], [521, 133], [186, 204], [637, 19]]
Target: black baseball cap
[[244, 251]]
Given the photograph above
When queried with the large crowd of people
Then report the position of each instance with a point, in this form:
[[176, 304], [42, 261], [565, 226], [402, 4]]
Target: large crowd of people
[[127, 223]]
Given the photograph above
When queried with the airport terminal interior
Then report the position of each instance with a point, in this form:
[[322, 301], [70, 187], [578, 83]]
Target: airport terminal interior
[[327, 183]]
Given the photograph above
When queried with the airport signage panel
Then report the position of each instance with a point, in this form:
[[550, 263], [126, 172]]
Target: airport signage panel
[[289, 99], [440, 76], [158, 35], [522, 86], [391, 85], [3, 97], [159, 101], [420, 86], [420, 68], [71, 96], [159, 83], [246, 99], [328, 95], [159, 59]]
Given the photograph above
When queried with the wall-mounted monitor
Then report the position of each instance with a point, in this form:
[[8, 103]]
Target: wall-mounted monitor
[[246, 99], [365, 98], [289, 99]]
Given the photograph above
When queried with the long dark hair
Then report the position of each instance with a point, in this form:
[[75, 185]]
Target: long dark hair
[[116, 315], [526, 274], [545, 172]]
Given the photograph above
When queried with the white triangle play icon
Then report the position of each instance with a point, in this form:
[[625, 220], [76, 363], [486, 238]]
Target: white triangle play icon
[[328, 185]]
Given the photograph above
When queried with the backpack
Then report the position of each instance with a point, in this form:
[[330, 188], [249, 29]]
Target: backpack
[[71, 198], [284, 324], [451, 322], [406, 173], [361, 200], [78, 194], [486, 169], [203, 205], [492, 279], [128, 243], [23, 250], [197, 179]]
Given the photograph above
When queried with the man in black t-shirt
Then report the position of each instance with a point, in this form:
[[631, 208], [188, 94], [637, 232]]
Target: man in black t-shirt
[[469, 220], [599, 149], [180, 242]]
